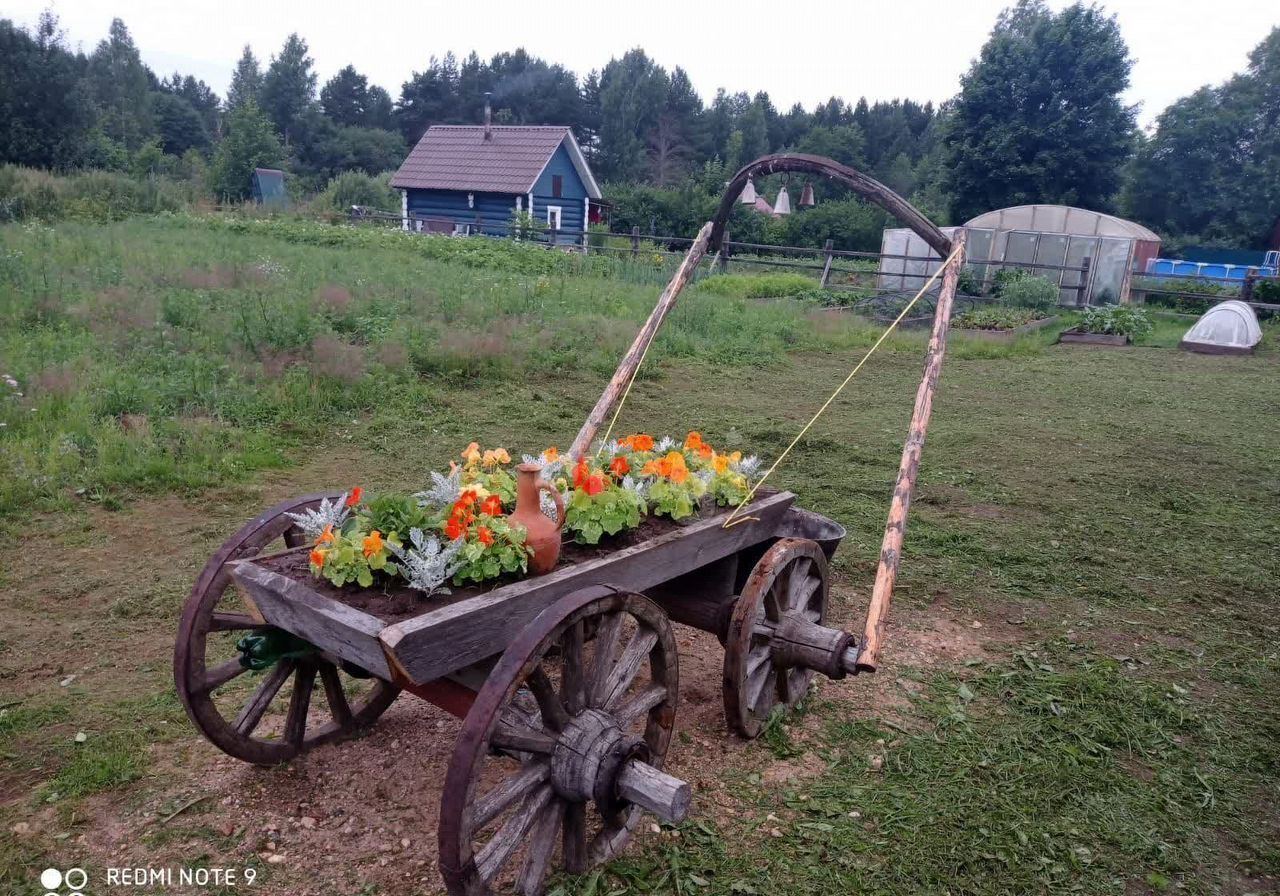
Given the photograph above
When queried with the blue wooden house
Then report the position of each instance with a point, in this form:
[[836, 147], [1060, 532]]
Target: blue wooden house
[[473, 179]]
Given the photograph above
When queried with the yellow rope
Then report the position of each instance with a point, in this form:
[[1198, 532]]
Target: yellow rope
[[729, 520]]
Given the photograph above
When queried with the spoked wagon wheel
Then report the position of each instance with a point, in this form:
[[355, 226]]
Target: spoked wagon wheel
[[267, 717], [788, 586], [566, 731]]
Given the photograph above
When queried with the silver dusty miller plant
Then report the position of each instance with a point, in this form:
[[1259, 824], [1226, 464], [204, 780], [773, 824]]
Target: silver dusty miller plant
[[426, 565], [444, 490], [314, 521]]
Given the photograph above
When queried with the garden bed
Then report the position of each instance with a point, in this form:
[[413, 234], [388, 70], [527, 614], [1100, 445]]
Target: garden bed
[[1080, 337], [1007, 333]]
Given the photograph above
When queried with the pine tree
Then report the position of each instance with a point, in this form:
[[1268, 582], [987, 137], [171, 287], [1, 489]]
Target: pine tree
[[246, 80]]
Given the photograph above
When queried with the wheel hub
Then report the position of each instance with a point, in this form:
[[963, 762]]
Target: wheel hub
[[589, 754]]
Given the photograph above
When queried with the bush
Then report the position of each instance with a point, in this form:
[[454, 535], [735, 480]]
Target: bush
[[1022, 289], [758, 286], [357, 188], [1116, 320], [30, 195]]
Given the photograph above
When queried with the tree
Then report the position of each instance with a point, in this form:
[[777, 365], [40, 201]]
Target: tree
[[248, 142], [1208, 173], [633, 90], [379, 110], [201, 97], [180, 125], [44, 115], [120, 88], [289, 85], [345, 98], [1039, 116], [678, 135], [246, 80]]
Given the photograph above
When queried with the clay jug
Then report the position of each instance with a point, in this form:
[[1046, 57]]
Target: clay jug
[[543, 533]]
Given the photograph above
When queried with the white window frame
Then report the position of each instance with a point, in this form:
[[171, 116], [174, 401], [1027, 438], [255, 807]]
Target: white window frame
[[557, 212]]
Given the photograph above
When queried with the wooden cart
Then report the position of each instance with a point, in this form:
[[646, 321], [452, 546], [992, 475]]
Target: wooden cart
[[567, 683]]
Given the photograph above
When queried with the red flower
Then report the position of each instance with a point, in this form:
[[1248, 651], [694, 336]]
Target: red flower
[[491, 505], [354, 498], [485, 536], [620, 467], [468, 498], [454, 529], [594, 484], [580, 472]]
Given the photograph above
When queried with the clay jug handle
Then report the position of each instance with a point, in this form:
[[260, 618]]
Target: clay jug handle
[[544, 486]]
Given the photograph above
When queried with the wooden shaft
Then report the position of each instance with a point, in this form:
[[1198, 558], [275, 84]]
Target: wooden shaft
[[643, 785], [895, 529], [631, 360]]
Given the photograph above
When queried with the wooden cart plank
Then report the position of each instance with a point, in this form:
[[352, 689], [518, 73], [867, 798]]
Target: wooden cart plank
[[328, 624], [459, 634]]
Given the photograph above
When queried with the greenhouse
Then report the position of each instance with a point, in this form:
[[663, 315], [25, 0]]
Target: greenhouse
[[1053, 241]]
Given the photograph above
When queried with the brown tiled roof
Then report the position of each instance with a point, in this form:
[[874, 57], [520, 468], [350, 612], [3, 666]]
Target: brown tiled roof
[[457, 157]]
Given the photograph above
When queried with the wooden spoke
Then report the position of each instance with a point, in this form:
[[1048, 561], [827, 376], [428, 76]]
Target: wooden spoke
[[507, 840], [606, 643], [573, 683], [252, 712], [759, 657], [233, 622], [575, 838], [542, 843], [760, 687], [775, 604], [335, 696], [798, 583], [639, 704], [628, 665], [516, 787], [792, 685], [522, 739], [221, 674], [553, 711], [295, 723]]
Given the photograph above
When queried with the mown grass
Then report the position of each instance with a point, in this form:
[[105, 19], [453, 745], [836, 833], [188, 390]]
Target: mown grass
[[1118, 505]]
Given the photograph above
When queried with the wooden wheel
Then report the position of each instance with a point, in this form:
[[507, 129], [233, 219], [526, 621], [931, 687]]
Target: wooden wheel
[[546, 760], [267, 717], [788, 585]]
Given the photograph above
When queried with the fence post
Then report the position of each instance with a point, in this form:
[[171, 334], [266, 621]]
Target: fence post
[[1250, 280], [724, 251], [1083, 289], [826, 264], [635, 241]]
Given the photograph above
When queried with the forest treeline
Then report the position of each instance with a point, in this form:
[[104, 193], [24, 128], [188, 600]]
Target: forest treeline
[[1039, 117]]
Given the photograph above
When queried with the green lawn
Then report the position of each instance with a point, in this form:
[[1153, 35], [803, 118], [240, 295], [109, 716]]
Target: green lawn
[[1107, 516]]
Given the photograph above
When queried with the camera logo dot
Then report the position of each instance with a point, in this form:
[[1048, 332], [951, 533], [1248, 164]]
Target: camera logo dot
[[75, 880]]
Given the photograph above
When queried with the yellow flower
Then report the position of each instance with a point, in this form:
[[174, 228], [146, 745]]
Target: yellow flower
[[720, 462]]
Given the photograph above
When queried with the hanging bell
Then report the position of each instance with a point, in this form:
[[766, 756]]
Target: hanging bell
[[748, 196], [806, 196], [782, 206]]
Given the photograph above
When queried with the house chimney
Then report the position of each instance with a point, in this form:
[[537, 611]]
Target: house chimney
[[488, 117]]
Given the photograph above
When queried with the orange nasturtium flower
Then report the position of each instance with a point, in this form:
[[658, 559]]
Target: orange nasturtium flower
[[720, 463], [317, 557], [491, 505], [485, 536], [552, 454], [373, 543], [693, 440], [580, 473], [619, 466], [326, 536], [454, 529], [354, 498], [472, 453], [639, 442], [673, 467], [594, 484], [496, 456]]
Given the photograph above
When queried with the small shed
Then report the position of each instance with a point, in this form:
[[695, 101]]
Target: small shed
[[268, 187], [1055, 236], [464, 179]]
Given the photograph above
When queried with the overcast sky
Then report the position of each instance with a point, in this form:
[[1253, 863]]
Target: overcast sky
[[882, 50]]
